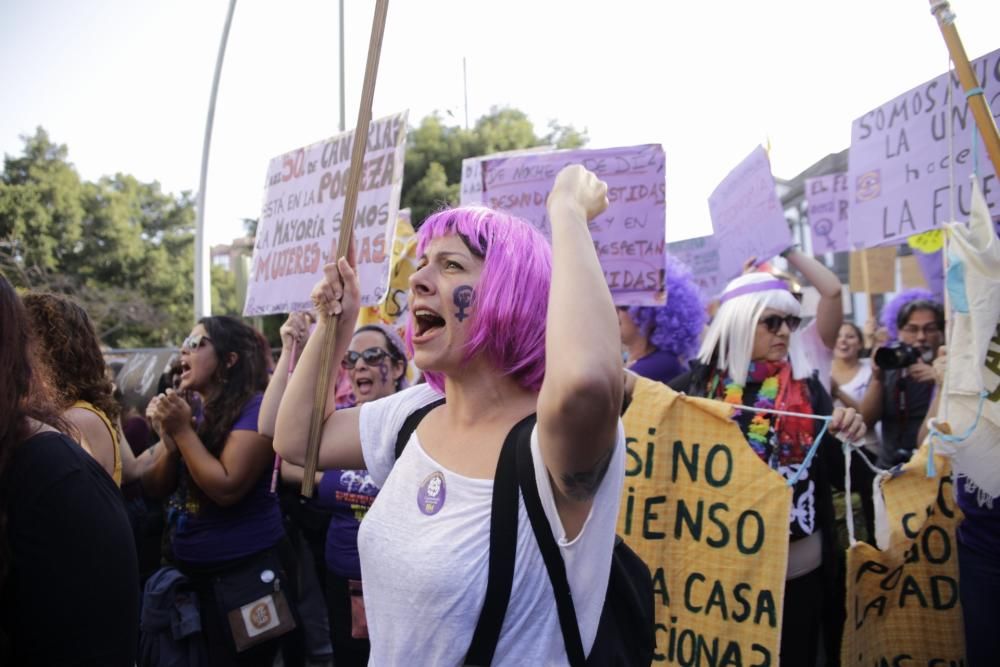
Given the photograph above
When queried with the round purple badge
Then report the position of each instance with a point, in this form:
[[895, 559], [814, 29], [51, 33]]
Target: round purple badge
[[430, 497]]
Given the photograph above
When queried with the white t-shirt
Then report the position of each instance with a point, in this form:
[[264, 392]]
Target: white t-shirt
[[856, 389], [425, 545]]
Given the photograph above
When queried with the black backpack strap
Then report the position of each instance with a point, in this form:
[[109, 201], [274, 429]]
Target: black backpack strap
[[550, 554], [410, 425], [503, 548]]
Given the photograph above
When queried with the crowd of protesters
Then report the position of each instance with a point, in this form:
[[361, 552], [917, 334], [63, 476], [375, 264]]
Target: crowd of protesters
[[244, 569]]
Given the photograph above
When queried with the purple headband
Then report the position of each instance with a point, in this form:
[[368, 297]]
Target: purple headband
[[765, 286]]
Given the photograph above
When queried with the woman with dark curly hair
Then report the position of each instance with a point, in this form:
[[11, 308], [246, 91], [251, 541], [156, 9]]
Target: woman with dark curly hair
[[72, 367], [224, 525], [659, 341], [68, 575]]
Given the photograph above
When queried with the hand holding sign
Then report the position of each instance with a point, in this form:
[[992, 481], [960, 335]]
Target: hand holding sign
[[577, 187], [339, 292]]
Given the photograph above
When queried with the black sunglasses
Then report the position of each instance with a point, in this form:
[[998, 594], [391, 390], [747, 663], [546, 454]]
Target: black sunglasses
[[774, 322], [371, 356]]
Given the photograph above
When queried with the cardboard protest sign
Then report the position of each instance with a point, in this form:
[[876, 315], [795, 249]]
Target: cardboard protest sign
[[910, 275], [747, 215], [300, 219], [710, 519], [828, 198], [394, 310], [629, 237], [701, 255], [899, 162], [470, 192], [881, 270], [902, 603]]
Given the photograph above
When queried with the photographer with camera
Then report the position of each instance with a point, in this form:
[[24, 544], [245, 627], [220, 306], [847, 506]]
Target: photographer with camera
[[903, 379]]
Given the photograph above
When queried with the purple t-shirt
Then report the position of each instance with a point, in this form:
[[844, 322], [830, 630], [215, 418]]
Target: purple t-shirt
[[981, 528], [347, 494], [207, 533], [661, 366]]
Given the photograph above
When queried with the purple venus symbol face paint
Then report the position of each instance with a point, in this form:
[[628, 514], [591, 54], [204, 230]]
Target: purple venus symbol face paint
[[463, 297]]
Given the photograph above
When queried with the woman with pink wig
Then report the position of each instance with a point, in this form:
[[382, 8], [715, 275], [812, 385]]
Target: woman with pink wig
[[503, 326]]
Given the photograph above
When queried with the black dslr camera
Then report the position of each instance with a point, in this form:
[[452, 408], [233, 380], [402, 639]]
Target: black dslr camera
[[896, 356]]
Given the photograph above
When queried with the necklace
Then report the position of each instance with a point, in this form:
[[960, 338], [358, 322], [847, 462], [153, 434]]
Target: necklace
[[759, 433]]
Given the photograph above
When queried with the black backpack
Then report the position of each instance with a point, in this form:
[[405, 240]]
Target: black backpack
[[625, 633]]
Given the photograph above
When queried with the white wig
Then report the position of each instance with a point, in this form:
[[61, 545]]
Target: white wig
[[730, 337]]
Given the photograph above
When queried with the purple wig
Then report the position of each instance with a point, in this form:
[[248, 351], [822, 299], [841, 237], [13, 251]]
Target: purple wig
[[891, 310], [676, 327], [507, 323]]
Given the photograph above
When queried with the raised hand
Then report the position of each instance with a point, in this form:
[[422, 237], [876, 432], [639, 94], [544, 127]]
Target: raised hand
[[576, 186], [295, 330]]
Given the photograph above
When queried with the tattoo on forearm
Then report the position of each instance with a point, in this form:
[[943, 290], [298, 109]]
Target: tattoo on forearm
[[583, 485]]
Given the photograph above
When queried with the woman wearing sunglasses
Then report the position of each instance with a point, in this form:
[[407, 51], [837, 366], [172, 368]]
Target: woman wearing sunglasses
[[749, 357], [222, 519], [501, 331], [375, 363]]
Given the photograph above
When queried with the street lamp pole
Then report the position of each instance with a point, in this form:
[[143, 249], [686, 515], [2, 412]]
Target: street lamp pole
[[202, 265]]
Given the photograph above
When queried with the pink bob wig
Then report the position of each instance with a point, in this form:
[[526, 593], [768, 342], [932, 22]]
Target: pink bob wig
[[507, 323]]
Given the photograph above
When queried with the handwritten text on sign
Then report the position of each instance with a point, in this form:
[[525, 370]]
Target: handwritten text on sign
[[711, 522], [900, 164], [747, 216], [628, 237], [303, 206], [829, 201], [701, 255]]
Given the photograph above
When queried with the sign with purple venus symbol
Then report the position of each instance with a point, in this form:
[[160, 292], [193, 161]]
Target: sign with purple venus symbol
[[463, 296]]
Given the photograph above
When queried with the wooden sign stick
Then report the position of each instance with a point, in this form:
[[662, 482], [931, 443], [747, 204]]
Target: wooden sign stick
[[345, 240], [974, 94]]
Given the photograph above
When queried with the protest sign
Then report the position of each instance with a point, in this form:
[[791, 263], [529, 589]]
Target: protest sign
[[881, 270], [900, 166], [747, 215], [300, 219], [629, 236], [470, 191], [394, 311], [932, 267], [701, 255], [710, 519], [902, 603], [828, 199], [910, 275]]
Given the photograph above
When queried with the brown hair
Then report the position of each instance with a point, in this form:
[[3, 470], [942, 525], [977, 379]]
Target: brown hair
[[69, 353]]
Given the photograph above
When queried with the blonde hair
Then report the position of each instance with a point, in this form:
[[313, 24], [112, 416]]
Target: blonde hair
[[730, 337]]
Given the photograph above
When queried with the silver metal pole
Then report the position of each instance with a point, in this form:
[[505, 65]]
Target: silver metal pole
[[202, 264], [343, 122]]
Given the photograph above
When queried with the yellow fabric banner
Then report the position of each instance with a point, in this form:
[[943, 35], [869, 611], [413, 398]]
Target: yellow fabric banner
[[393, 310], [711, 521], [902, 603]]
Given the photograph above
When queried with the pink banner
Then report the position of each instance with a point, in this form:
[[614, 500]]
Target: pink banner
[[300, 219], [701, 255], [747, 215], [628, 237], [900, 164], [829, 200]]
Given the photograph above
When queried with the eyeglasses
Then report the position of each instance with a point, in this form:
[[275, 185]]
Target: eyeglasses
[[195, 342], [774, 322], [371, 356], [928, 329]]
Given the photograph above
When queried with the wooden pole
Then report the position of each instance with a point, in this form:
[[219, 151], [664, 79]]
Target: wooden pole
[[976, 101], [344, 240], [866, 281]]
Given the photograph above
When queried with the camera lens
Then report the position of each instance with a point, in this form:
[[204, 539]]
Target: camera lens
[[895, 356]]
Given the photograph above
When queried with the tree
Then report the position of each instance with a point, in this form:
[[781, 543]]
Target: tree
[[122, 248], [434, 153]]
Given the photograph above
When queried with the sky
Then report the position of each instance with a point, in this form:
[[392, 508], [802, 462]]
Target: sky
[[125, 85]]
